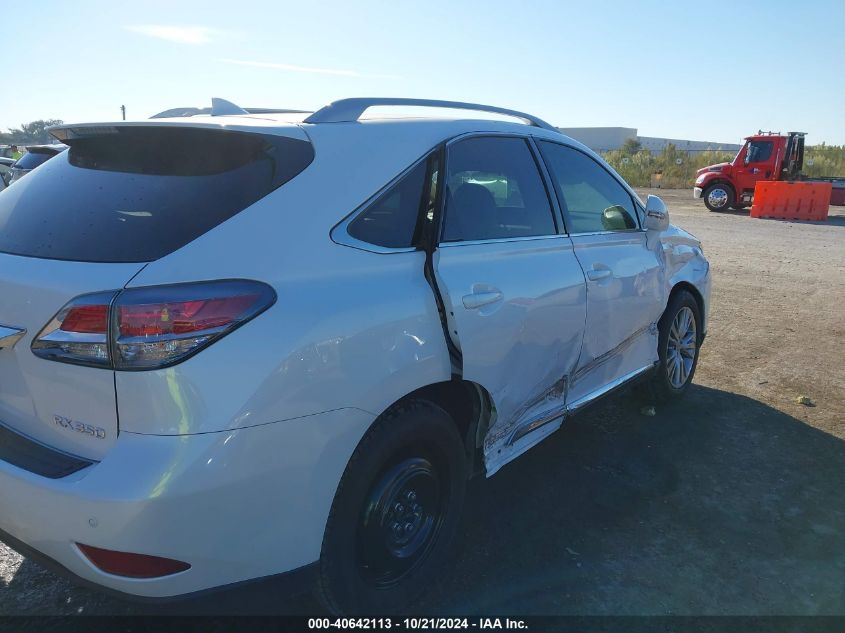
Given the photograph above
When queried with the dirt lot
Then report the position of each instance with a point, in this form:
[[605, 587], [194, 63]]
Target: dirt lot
[[732, 502]]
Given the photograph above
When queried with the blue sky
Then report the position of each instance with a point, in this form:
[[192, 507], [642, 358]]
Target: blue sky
[[680, 69]]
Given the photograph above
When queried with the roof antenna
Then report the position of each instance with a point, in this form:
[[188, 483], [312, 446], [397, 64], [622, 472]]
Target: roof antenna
[[221, 107]]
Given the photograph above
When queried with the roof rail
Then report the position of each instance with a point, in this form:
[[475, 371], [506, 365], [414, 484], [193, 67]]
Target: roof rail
[[352, 109]]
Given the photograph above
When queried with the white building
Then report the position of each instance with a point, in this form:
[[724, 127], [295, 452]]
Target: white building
[[603, 139]]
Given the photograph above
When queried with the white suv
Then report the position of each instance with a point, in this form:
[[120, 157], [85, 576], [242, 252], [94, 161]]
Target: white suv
[[235, 345]]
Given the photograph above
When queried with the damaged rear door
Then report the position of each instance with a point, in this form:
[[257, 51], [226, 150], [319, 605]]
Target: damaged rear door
[[513, 291]]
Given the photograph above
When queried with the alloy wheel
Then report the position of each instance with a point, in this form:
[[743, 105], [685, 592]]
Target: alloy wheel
[[681, 348]]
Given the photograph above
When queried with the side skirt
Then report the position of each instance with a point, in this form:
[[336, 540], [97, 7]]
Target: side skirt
[[535, 429]]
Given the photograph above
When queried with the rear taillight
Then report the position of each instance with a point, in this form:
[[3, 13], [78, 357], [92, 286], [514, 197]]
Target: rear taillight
[[149, 328], [79, 333]]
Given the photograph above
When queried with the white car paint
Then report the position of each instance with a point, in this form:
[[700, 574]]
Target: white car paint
[[230, 459]]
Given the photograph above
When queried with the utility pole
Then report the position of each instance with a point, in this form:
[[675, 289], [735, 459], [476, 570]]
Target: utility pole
[[123, 111]]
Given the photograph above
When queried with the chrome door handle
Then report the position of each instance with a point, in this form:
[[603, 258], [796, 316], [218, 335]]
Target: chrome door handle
[[477, 299], [598, 273]]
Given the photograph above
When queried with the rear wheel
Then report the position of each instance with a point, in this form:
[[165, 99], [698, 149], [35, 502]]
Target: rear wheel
[[678, 346], [719, 197], [395, 512]]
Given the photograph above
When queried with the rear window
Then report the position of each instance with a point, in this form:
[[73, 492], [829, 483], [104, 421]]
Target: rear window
[[31, 160], [135, 194]]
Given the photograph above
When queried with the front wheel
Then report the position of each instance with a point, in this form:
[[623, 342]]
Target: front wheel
[[678, 346], [719, 197], [395, 512]]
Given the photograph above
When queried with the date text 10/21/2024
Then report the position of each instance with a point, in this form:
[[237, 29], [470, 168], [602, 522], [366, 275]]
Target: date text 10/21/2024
[[417, 623]]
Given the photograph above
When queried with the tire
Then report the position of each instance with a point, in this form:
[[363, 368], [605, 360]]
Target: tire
[[377, 557], [719, 197], [672, 377]]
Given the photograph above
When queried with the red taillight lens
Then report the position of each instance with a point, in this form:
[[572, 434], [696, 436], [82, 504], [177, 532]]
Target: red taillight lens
[[150, 328], [182, 317], [92, 319], [131, 565], [78, 333]]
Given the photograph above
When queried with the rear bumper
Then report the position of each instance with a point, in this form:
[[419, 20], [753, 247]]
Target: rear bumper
[[285, 584], [236, 505], [697, 192]]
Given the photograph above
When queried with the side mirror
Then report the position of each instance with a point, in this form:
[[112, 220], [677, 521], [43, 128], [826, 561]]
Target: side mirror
[[617, 218], [656, 214]]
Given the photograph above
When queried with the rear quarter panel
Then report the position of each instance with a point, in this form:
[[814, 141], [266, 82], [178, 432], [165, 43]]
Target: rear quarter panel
[[350, 328]]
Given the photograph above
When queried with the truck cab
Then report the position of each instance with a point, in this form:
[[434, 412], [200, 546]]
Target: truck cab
[[763, 156]]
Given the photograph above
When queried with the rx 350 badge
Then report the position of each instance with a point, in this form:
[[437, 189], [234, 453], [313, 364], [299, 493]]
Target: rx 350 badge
[[79, 427]]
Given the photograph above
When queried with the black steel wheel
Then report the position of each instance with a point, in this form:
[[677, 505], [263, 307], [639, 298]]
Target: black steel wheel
[[395, 512]]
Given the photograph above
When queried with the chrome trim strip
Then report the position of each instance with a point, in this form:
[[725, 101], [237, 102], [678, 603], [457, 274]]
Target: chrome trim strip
[[625, 232], [501, 240], [10, 335], [535, 423], [611, 353], [585, 400], [566, 410]]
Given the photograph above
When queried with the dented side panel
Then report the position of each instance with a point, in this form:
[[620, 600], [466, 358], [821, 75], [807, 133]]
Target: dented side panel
[[626, 295], [523, 340], [684, 262]]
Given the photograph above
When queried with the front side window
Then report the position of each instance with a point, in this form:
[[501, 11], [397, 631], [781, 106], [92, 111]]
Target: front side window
[[494, 191], [594, 200], [759, 151]]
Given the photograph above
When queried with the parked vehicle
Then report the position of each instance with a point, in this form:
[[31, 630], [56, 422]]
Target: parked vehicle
[[35, 155], [5, 171], [284, 344], [763, 157]]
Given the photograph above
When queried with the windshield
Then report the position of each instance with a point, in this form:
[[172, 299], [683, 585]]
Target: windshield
[[31, 160]]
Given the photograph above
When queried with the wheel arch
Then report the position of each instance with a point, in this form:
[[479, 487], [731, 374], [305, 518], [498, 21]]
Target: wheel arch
[[467, 403], [719, 181], [699, 300]]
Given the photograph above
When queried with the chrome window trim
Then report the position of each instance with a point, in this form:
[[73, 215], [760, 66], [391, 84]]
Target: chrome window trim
[[501, 240], [591, 233]]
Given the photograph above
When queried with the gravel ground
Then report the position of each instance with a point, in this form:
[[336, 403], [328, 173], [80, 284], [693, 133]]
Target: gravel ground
[[730, 502]]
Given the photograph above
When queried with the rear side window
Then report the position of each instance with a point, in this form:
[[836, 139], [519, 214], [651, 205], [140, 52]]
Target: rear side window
[[135, 194], [31, 160], [494, 191], [391, 220]]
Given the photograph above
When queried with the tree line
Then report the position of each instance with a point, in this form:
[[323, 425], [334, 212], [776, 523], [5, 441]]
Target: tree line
[[32, 133]]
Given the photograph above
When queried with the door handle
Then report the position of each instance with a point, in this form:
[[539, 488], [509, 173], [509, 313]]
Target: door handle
[[477, 299], [598, 273]]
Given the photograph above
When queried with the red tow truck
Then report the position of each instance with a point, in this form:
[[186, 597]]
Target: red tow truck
[[764, 156]]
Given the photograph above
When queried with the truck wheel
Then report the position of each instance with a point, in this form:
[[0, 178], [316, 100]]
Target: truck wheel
[[719, 197], [677, 347], [395, 512]]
